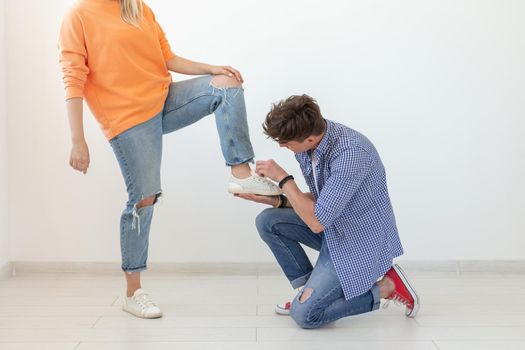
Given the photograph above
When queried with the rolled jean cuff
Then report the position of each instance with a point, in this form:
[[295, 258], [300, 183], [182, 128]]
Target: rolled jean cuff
[[301, 281], [248, 160], [136, 269], [376, 296]]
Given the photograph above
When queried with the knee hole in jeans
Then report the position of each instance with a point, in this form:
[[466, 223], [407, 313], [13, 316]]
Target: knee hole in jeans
[[305, 295], [224, 81], [148, 201]]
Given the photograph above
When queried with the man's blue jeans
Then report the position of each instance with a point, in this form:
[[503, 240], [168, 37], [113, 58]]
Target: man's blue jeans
[[284, 232]]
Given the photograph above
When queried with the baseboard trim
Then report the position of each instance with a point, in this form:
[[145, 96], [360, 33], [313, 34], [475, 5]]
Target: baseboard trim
[[219, 268], [6, 271], [259, 268]]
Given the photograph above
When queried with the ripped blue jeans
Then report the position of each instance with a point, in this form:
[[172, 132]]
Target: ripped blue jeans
[[139, 151], [285, 233]]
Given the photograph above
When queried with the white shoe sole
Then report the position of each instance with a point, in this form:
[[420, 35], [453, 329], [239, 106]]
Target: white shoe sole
[[280, 311], [140, 315], [409, 313], [240, 190]]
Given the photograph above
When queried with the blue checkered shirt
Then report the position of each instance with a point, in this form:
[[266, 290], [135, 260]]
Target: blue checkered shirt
[[353, 205]]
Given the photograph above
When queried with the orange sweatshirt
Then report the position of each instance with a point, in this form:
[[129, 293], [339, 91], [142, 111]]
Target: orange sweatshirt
[[119, 69]]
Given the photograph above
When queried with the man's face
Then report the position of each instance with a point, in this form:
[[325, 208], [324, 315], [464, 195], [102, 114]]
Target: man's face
[[299, 146]]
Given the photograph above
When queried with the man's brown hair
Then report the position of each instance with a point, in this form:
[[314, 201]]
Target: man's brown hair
[[294, 119]]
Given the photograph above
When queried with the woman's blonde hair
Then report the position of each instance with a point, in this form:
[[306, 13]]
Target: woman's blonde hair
[[131, 11]]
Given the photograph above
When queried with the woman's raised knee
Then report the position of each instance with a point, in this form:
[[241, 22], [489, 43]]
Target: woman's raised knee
[[224, 81]]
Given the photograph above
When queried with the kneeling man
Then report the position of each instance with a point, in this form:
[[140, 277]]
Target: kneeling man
[[347, 216]]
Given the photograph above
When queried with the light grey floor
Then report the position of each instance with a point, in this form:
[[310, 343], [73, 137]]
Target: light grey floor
[[460, 310]]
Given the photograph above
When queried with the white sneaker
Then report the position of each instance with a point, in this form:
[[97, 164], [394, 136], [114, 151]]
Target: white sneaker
[[283, 309], [141, 305], [254, 184]]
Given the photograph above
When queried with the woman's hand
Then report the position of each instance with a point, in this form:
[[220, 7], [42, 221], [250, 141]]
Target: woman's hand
[[270, 200], [228, 71], [79, 158]]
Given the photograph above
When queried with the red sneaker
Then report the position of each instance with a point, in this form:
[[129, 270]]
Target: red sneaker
[[404, 293], [283, 309]]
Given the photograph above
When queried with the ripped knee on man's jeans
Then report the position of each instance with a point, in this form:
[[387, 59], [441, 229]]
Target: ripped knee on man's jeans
[[305, 295], [306, 315]]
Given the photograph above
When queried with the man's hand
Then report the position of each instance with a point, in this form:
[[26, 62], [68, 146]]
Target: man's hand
[[270, 200], [270, 169], [303, 204]]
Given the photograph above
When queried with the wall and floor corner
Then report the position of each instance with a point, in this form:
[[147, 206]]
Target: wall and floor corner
[[5, 265], [437, 86]]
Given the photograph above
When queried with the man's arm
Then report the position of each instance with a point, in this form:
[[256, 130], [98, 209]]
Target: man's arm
[[288, 204], [302, 203], [349, 169]]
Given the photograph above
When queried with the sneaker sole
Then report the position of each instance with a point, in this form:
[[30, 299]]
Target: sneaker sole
[[139, 315], [410, 289], [261, 193], [282, 312]]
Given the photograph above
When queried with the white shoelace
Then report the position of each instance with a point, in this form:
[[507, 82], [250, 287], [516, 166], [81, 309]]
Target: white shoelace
[[399, 301], [263, 180], [144, 301]]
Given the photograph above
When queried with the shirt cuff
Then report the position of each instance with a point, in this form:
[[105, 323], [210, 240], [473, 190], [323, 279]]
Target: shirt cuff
[[322, 215]]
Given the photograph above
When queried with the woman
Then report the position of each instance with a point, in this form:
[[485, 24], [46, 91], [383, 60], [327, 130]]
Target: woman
[[115, 55]]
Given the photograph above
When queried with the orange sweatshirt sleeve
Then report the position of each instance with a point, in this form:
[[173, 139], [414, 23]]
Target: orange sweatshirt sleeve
[[73, 56], [164, 44]]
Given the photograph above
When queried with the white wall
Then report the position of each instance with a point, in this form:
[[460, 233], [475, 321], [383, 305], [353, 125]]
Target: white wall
[[4, 235], [438, 86]]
